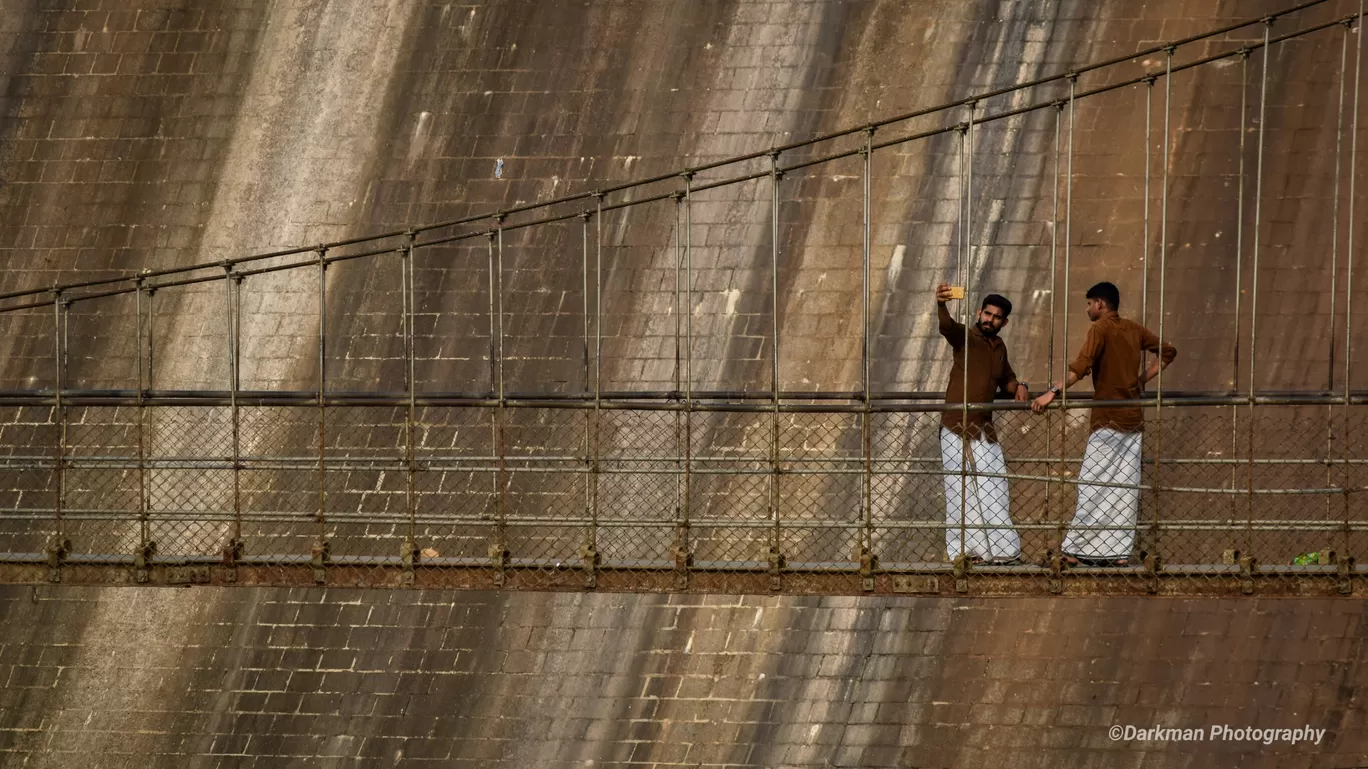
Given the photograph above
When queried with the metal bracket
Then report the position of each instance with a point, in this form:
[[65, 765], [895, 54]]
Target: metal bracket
[[1247, 565], [57, 550], [319, 555], [589, 555], [683, 563], [142, 562], [1152, 565], [777, 562], [962, 567], [869, 563], [408, 558], [232, 551], [499, 555]]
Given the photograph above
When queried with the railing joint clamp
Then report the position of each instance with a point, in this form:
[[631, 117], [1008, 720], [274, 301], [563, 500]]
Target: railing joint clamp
[[1247, 566], [319, 555], [232, 551]]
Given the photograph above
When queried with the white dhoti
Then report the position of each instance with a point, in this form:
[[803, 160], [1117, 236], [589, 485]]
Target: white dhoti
[[1104, 522], [987, 524]]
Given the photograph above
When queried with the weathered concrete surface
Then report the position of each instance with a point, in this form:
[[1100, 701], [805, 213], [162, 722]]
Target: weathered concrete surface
[[152, 133], [172, 134], [264, 678]]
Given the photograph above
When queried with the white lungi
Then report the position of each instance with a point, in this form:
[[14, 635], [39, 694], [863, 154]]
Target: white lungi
[[987, 523], [1104, 522]]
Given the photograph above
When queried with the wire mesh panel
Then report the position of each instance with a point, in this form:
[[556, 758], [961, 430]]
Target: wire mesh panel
[[729, 490], [102, 504], [365, 512], [639, 489], [190, 479], [541, 511], [455, 484], [908, 507], [28, 483], [820, 489], [278, 488]]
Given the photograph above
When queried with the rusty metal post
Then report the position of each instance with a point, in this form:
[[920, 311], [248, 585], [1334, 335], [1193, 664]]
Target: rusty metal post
[[966, 250], [1247, 561], [232, 283], [961, 559], [1155, 531], [1347, 562], [59, 545], [589, 555], [869, 562], [498, 549], [776, 553], [1353, 223], [1068, 253], [681, 544], [409, 551], [587, 445], [1239, 284], [1334, 289], [322, 549], [1054, 292], [1144, 255], [151, 338], [683, 554], [145, 546]]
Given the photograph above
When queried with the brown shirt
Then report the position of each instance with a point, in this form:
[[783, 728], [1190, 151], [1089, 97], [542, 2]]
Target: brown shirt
[[989, 373], [1112, 352]]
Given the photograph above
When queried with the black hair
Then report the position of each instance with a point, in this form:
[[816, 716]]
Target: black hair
[[999, 301], [1107, 292]]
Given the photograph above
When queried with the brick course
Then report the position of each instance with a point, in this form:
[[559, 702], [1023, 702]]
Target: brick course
[[261, 677]]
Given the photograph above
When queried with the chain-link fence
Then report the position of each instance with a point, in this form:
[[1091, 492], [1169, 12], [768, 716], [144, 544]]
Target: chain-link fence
[[759, 273], [806, 496]]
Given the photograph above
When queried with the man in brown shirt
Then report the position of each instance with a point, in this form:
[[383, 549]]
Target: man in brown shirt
[[1103, 528], [983, 517]]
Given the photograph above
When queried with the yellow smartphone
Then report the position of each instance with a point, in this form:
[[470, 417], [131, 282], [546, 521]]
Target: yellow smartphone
[[957, 292]]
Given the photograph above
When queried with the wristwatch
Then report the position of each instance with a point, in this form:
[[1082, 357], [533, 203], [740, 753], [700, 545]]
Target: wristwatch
[[1055, 389]]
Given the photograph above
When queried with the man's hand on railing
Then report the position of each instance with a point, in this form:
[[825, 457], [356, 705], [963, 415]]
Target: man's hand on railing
[[1046, 398]]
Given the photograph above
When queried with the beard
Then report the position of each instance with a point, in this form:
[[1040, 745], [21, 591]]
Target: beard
[[986, 329]]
